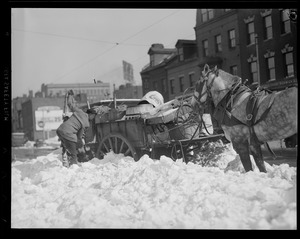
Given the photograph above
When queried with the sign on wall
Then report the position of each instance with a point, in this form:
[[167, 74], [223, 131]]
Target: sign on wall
[[128, 72], [48, 118]]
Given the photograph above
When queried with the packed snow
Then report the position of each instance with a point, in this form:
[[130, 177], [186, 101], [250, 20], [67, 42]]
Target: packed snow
[[118, 192]]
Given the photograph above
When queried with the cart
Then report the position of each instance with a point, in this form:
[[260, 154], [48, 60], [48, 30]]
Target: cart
[[172, 130]]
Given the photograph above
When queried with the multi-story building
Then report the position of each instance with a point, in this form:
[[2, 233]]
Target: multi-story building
[[256, 44], [94, 91], [171, 71], [129, 91], [17, 118], [154, 75], [182, 69]]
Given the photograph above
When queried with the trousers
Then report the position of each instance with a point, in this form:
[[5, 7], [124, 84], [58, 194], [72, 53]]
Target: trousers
[[70, 148]]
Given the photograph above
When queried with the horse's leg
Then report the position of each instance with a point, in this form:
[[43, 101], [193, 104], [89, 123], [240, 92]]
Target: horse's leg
[[255, 149], [242, 149]]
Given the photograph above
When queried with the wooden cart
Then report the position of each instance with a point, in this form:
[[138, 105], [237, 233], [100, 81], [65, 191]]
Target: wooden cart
[[172, 131]]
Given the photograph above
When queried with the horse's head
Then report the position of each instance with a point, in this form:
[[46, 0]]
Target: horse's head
[[203, 87]]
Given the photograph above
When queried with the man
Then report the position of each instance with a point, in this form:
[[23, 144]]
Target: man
[[71, 131]]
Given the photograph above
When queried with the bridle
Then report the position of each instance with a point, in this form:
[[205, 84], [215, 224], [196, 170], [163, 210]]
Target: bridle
[[199, 89], [208, 87]]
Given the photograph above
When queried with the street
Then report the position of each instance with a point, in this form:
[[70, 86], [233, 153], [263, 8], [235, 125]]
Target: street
[[283, 154]]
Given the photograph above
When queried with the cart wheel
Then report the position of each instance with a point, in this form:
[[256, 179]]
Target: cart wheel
[[116, 143]]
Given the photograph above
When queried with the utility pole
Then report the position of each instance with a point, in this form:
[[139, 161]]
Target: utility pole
[[114, 96], [257, 59]]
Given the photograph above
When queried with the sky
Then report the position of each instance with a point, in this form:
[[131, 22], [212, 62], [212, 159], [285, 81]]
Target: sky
[[78, 45], [117, 192]]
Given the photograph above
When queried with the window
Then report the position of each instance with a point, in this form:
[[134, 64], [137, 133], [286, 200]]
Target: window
[[172, 86], [253, 71], [218, 43], [207, 14], [231, 35], [289, 64], [210, 13], [191, 79], [205, 47], [181, 83], [251, 34], [233, 70], [180, 53], [271, 68], [268, 27], [285, 21]]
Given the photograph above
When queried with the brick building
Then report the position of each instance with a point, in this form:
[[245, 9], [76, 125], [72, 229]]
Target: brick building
[[182, 69], [94, 91], [233, 38], [154, 75], [129, 91], [172, 72]]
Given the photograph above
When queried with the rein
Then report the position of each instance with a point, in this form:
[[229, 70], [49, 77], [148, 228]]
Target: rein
[[231, 89], [208, 87], [228, 97]]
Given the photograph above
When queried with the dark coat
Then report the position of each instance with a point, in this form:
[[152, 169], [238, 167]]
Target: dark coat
[[73, 129]]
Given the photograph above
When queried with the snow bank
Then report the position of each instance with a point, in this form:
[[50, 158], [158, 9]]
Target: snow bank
[[117, 192]]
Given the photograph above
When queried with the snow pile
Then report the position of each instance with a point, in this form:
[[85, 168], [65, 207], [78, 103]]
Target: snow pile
[[117, 192]]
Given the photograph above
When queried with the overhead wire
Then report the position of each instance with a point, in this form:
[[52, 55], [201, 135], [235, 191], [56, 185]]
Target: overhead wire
[[122, 42], [78, 38], [137, 59], [101, 41]]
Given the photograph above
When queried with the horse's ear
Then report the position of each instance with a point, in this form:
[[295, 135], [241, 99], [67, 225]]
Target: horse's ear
[[205, 69], [216, 70]]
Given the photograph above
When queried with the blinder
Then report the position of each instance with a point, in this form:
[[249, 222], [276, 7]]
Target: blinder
[[203, 80]]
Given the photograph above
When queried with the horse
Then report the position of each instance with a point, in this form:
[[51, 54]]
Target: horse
[[248, 117]]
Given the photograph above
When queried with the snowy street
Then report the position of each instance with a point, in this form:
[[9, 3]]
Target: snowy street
[[117, 192]]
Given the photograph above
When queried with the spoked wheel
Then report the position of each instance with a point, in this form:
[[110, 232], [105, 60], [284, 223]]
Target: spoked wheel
[[118, 144]]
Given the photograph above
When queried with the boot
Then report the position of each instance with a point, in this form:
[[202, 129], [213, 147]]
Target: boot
[[65, 161], [74, 161]]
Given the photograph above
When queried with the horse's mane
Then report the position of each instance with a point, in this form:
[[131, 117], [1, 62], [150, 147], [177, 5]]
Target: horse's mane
[[229, 78]]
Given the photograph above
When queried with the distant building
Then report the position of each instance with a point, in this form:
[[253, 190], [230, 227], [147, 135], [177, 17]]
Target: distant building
[[94, 91], [17, 118], [256, 44], [129, 91], [41, 117]]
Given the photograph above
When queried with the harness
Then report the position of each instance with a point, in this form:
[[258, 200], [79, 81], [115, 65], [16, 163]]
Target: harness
[[222, 112]]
